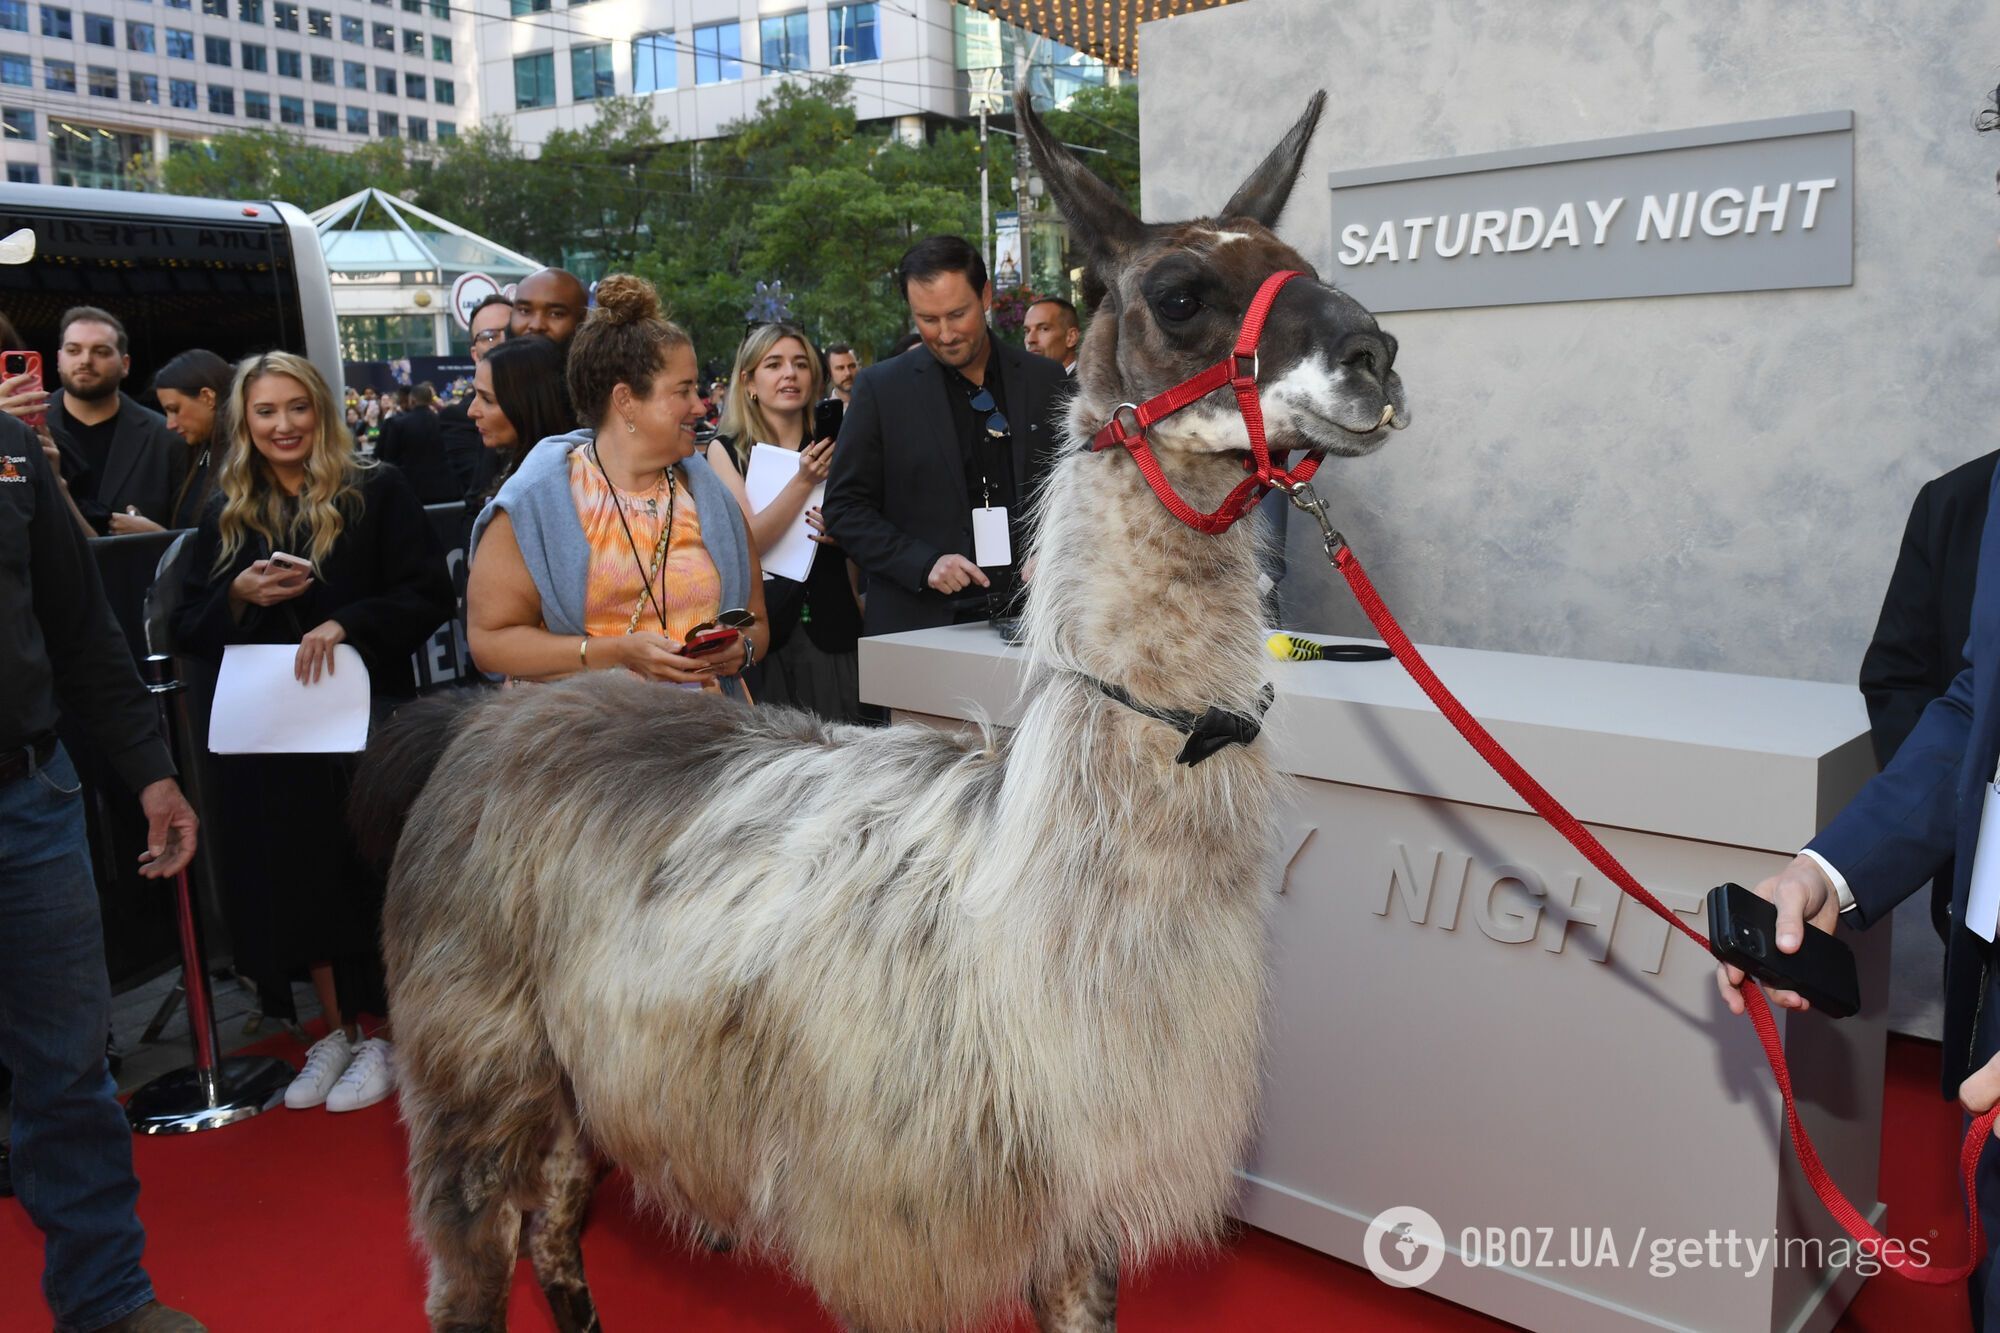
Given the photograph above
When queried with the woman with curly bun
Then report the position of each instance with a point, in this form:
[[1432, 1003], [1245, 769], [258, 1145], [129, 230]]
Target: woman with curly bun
[[615, 545]]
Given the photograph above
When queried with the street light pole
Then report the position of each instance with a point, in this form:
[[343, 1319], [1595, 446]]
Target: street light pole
[[985, 208]]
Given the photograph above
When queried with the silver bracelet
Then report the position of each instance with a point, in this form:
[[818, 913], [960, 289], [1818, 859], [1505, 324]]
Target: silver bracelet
[[749, 652]]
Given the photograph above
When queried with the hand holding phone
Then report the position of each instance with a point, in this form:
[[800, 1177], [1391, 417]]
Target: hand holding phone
[[23, 399], [709, 641], [827, 416], [292, 564], [1743, 933]]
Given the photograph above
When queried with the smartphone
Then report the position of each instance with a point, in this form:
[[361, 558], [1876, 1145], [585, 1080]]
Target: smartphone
[[712, 641], [13, 365], [1743, 932], [296, 564], [827, 416]]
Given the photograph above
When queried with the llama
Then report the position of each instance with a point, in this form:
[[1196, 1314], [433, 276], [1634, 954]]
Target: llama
[[946, 1022]]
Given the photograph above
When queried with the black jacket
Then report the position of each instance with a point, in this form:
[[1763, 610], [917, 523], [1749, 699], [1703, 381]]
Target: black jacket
[[896, 497], [144, 470], [1919, 643], [384, 581], [414, 442]]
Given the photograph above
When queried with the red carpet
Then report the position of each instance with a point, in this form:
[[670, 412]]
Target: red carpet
[[295, 1221]]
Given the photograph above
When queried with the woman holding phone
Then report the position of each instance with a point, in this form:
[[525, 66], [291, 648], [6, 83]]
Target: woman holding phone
[[618, 546], [816, 624], [306, 543]]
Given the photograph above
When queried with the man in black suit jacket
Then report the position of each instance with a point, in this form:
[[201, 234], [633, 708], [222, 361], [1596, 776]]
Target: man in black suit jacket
[[122, 466], [926, 441], [414, 442], [1919, 643]]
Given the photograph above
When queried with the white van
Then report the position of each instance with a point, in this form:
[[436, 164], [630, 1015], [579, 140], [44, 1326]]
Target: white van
[[180, 273]]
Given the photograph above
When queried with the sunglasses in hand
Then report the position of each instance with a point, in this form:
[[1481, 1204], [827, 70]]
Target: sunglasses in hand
[[714, 635]]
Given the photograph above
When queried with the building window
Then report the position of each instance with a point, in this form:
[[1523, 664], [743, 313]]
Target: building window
[[446, 130], [385, 125], [413, 6], [103, 82], [59, 76], [420, 130], [413, 87], [590, 75], [256, 105], [145, 88], [98, 30], [23, 173], [98, 158], [520, 7], [357, 120], [255, 58], [440, 9], [851, 34], [13, 15], [17, 70], [718, 53], [386, 337], [16, 124], [180, 93], [221, 101], [441, 48], [322, 69], [180, 44], [285, 16], [216, 50], [56, 23], [444, 92], [385, 81], [534, 80], [413, 42], [319, 23], [353, 30], [215, 9], [326, 116], [354, 74], [289, 65], [782, 42], [139, 37], [180, 4], [250, 11], [292, 110], [385, 37]]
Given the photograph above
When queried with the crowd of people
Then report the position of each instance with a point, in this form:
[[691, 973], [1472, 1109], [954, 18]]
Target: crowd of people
[[609, 525]]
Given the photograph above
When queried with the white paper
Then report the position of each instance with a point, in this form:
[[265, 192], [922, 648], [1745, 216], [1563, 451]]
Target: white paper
[[771, 468], [992, 544], [1982, 904], [261, 709]]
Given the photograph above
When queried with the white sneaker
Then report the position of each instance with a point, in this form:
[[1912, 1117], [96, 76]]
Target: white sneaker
[[368, 1080], [328, 1058]]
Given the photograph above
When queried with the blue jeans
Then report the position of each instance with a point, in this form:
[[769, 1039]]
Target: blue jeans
[[72, 1150]]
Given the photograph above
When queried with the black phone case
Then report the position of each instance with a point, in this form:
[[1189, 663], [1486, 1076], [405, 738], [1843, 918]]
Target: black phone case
[[1742, 931], [827, 417]]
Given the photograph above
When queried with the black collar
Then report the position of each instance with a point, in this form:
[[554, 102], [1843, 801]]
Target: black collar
[[1206, 732]]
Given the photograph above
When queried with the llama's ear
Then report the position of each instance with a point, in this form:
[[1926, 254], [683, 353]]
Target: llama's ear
[[1100, 223], [1262, 197]]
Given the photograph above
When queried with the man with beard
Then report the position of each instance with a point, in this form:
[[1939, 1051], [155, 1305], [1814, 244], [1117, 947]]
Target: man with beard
[[123, 466], [841, 368], [941, 451], [550, 302]]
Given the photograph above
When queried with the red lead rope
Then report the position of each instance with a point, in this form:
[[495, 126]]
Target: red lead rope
[[1899, 1261]]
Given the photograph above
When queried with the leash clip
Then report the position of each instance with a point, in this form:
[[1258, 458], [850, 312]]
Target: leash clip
[[1304, 497]]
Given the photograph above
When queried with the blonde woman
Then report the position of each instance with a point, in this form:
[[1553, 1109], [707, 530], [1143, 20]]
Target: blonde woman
[[296, 895], [815, 625]]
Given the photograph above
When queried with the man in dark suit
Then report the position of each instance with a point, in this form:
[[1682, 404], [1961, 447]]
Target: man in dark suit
[[472, 463], [1920, 812], [1919, 643], [121, 464], [412, 441], [951, 435]]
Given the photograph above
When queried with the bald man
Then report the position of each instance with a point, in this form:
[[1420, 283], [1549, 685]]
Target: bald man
[[551, 302]]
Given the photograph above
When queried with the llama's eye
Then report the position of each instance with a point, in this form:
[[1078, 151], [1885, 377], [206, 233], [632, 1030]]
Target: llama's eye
[[1178, 306]]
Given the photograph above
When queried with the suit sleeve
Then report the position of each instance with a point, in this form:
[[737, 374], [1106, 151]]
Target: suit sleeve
[[1892, 837], [177, 471], [1901, 663], [415, 595], [855, 494]]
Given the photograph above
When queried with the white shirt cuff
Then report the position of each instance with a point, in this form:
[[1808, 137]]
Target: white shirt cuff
[[1840, 889]]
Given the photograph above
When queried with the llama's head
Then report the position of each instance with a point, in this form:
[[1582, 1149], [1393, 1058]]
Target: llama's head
[[1174, 296]]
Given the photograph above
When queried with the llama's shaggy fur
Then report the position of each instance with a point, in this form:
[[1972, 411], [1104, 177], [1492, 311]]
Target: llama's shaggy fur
[[946, 1021]]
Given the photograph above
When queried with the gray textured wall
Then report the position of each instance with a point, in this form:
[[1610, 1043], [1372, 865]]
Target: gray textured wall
[[1716, 482]]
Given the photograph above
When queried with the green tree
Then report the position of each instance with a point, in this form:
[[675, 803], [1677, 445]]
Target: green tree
[[271, 164], [1106, 118]]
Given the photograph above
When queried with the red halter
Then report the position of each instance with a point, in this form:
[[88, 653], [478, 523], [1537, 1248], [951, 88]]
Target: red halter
[[1265, 475]]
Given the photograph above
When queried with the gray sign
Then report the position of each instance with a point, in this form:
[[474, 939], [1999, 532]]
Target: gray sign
[[1730, 208]]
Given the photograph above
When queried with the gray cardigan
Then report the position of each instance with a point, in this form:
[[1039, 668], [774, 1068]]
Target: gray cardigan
[[538, 503]]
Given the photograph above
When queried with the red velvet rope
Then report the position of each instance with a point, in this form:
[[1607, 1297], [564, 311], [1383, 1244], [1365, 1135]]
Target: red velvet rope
[[1901, 1262]]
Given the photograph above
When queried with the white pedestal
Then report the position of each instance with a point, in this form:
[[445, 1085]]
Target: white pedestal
[[1468, 1018]]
